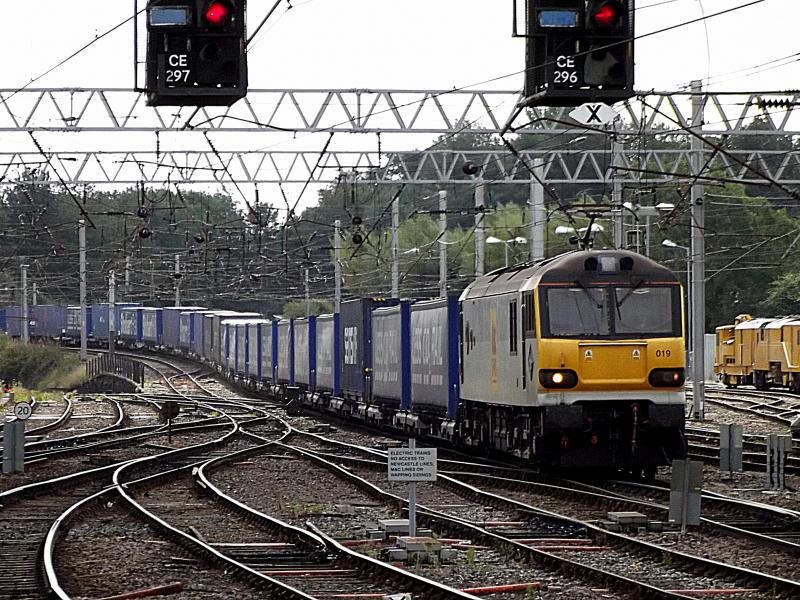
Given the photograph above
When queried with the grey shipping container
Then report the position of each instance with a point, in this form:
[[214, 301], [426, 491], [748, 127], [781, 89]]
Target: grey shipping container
[[285, 352]]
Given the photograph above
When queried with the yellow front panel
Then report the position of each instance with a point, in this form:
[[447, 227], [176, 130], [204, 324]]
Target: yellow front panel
[[606, 365]]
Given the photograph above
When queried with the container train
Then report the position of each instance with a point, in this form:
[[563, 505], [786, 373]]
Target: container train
[[575, 361], [760, 352]]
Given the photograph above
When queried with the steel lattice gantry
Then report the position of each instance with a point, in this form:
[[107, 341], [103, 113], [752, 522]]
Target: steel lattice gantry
[[427, 167], [764, 126]]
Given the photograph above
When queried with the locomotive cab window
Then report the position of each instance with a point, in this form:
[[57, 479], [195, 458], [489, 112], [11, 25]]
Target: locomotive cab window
[[528, 315], [512, 328], [637, 311]]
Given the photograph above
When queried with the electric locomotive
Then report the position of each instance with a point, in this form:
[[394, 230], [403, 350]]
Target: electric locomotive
[[576, 361]]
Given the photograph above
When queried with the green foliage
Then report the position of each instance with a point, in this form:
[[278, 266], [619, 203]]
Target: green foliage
[[297, 308], [783, 296], [36, 366], [220, 248]]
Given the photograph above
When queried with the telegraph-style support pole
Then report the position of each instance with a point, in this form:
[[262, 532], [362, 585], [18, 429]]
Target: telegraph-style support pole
[[128, 277], [698, 257], [177, 280], [617, 215], [112, 311], [443, 243], [34, 294], [308, 294], [538, 215], [337, 264], [24, 334], [480, 227], [82, 285], [396, 248]]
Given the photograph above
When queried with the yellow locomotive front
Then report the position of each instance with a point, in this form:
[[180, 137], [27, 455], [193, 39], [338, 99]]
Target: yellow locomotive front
[[611, 361]]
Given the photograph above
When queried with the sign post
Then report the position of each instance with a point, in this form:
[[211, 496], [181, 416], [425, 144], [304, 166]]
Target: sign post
[[412, 464], [169, 410], [685, 493], [14, 439], [778, 446], [731, 447]]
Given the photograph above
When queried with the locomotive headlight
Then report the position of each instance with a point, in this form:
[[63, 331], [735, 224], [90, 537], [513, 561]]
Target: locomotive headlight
[[667, 377], [558, 379]]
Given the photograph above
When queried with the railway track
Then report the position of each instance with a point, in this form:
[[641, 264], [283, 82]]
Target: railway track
[[620, 552], [307, 559]]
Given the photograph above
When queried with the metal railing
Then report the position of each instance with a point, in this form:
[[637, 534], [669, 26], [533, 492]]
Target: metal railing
[[106, 364]]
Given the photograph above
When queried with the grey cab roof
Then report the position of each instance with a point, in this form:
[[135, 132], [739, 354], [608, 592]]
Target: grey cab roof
[[565, 267]]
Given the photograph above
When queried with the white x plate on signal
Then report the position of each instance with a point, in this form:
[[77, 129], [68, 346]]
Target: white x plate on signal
[[594, 113]]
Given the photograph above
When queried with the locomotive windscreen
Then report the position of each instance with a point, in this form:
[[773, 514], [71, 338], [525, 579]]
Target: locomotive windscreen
[[611, 312]]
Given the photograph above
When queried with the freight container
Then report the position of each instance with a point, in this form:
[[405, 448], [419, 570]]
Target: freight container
[[196, 320], [212, 349], [435, 356], [74, 322], [227, 349], [152, 326], [269, 351], [305, 352], [171, 327], [355, 345], [129, 328], [100, 323], [240, 364], [327, 358], [391, 372], [286, 351], [14, 321], [254, 351], [50, 320]]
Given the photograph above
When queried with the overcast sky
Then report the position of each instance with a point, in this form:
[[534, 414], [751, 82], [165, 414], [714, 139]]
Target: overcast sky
[[410, 44], [413, 44]]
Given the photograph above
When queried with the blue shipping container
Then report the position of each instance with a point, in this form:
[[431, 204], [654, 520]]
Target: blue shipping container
[[391, 369], [435, 356], [355, 344]]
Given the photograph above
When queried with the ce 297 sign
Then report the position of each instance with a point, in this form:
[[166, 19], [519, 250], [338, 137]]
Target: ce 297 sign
[[176, 69], [567, 71]]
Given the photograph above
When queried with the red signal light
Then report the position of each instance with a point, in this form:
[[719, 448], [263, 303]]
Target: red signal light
[[608, 16], [218, 13]]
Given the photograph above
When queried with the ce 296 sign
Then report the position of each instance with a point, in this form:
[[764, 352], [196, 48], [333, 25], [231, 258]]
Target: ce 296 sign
[[176, 69], [567, 71]]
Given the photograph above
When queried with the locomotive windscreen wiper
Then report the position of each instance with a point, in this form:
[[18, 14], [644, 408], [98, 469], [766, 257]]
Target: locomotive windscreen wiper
[[622, 300], [589, 294]]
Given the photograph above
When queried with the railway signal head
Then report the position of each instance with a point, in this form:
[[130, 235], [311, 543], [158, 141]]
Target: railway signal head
[[196, 52], [606, 15], [218, 14], [579, 51]]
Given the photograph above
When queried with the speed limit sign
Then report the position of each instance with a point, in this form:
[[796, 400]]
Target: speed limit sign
[[22, 410]]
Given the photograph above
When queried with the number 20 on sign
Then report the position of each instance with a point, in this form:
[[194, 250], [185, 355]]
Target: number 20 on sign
[[22, 410]]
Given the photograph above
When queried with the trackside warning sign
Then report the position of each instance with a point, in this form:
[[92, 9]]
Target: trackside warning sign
[[418, 464]]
